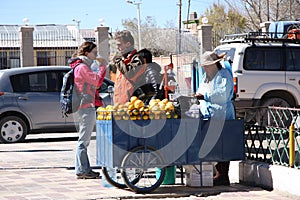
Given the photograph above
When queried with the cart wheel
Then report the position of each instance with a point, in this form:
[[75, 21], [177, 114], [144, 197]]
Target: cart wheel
[[142, 161], [116, 179]]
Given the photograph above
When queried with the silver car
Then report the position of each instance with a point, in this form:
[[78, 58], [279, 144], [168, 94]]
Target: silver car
[[29, 102]]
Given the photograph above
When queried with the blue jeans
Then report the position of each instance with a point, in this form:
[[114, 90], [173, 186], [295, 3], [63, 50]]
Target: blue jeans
[[86, 125]]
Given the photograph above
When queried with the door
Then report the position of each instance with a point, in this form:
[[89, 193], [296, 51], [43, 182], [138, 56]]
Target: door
[[293, 71], [37, 94]]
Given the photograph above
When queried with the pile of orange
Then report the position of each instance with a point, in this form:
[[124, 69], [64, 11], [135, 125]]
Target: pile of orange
[[135, 109]]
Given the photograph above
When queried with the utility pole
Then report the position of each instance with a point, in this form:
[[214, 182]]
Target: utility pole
[[268, 7], [138, 4], [188, 14], [179, 26], [290, 10]]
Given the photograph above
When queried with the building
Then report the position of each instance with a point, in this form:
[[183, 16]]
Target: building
[[51, 44]]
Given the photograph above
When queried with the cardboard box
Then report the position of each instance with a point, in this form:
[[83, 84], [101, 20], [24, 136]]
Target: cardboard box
[[195, 177]]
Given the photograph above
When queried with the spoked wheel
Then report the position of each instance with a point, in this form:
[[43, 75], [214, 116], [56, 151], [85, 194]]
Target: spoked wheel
[[142, 162], [113, 177]]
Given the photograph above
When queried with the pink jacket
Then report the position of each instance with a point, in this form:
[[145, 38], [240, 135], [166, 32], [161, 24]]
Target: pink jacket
[[85, 76]]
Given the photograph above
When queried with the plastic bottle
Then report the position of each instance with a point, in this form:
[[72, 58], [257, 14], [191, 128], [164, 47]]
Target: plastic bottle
[[95, 66]]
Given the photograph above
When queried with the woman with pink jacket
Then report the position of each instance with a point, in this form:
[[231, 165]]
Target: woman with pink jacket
[[87, 82]]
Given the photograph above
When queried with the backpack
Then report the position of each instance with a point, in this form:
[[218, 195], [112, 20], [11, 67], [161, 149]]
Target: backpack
[[69, 97]]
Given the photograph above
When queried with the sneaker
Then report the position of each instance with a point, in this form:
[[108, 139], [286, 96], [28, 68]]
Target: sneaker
[[96, 173], [89, 175]]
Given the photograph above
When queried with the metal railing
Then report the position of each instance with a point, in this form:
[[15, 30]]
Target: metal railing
[[279, 141], [255, 143]]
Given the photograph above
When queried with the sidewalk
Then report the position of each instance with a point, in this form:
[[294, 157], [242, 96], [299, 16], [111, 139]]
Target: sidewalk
[[40, 170], [60, 183]]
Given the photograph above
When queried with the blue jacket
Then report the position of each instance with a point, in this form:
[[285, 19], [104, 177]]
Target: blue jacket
[[218, 95]]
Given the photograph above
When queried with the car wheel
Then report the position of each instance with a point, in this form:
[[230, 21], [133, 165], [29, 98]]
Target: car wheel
[[12, 129]]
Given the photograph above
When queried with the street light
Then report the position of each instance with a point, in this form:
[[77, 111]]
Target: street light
[[139, 19], [78, 23], [78, 29]]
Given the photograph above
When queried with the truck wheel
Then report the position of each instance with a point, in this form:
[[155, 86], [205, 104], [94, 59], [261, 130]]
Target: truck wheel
[[275, 101], [12, 129], [263, 114]]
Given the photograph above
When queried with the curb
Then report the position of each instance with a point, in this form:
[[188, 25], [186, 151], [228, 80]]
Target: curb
[[269, 177]]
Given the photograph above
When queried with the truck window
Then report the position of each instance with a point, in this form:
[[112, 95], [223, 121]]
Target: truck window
[[267, 59], [292, 59]]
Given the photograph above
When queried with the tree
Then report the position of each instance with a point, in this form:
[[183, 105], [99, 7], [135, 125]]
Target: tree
[[153, 37], [258, 11], [224, 22]]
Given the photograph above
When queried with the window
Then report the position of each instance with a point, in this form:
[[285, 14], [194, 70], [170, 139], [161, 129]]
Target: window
[[3, 60], [263, 58], [52, 85], [54, 81], [103, 87], [292, 59], [20, 83], [14, 59], [38, 82], [46, 58]]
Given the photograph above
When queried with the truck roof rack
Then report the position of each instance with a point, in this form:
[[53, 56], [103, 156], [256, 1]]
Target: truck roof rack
[[262, 37]]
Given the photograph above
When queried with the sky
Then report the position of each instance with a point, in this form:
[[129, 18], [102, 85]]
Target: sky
[[88, 12]]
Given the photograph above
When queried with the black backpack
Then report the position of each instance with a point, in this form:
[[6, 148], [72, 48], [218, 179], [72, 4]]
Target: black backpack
[[69, 97]]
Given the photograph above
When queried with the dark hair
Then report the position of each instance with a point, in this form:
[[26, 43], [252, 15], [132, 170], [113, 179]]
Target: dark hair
[[145, 54], [125, 36], [219, 66], [85, 47]]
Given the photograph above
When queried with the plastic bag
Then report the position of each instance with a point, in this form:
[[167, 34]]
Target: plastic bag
[[194, 111]]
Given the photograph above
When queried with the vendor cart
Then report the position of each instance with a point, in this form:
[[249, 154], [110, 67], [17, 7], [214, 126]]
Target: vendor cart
[[136, 148]]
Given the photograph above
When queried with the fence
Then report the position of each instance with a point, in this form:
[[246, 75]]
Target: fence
[[52, 44], [56, 45], [279, 141], [189, 51], [9, 48]]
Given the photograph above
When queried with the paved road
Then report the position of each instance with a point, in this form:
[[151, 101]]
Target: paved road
[[43, 168]]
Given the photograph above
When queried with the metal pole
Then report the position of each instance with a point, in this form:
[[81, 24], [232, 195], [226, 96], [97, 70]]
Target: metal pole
[[77, 22], [292, 145], [139, 25], [139, 20]]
